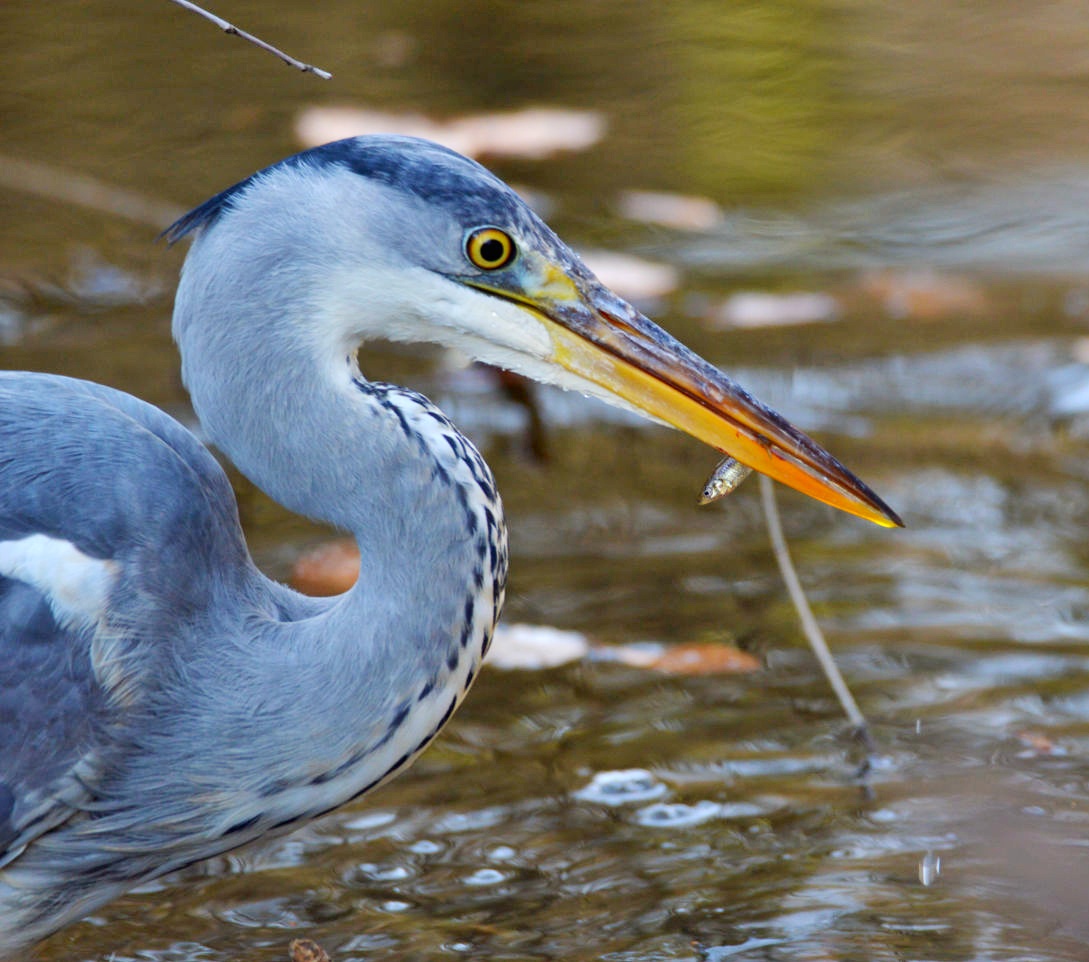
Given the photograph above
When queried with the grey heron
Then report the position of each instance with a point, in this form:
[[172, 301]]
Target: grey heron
[[161, 700]]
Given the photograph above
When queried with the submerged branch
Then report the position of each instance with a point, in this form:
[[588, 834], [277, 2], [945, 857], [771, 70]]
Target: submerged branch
[[812, 630], [71, 187]]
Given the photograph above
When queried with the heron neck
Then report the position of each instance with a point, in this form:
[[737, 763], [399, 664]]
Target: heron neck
[[395, 654], [288, 405]]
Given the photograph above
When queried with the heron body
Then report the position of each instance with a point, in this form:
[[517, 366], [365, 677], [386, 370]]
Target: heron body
[[163, 692], [161, 700]]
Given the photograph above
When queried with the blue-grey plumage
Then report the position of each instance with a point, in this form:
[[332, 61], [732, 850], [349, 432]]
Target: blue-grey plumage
[[180, 711], [161, 700]]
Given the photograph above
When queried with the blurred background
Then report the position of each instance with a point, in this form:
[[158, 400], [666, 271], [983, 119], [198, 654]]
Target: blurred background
[[874, 215]]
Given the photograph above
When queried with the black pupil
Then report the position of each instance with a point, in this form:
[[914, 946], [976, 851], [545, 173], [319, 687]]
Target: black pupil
[[492, 250]]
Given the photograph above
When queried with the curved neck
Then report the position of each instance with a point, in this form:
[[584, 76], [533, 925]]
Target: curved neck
[[277, 389]]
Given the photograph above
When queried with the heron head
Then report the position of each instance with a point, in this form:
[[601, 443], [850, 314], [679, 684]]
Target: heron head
[[417, 243]]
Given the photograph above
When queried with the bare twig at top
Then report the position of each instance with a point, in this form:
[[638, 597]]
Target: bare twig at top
[[232, 30]]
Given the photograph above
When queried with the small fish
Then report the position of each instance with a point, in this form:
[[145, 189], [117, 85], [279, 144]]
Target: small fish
[[724, 479]]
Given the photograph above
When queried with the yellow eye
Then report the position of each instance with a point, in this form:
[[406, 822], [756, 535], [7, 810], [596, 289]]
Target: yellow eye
[[489, 248]]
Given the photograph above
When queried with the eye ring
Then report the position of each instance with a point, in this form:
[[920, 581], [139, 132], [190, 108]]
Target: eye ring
[[490, 248]]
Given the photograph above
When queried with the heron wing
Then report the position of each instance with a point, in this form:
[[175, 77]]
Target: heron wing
[[115, 526]]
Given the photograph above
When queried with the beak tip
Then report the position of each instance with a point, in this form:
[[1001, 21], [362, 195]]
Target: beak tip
[[880, 513], [894, 518]]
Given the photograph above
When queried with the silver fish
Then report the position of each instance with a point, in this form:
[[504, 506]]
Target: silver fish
[[724, 479]]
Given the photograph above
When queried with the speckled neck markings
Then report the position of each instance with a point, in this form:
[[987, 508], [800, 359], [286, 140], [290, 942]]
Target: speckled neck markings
[[421, 714], [418, 713]]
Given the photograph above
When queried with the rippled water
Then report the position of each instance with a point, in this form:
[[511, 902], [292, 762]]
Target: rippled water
[[924, 166]]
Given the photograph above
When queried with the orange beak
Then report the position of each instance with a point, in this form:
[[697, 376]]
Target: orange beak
[[603, 339]]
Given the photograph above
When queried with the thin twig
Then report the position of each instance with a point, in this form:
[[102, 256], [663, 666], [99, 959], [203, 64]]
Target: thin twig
[[232, 30], [812, 630]]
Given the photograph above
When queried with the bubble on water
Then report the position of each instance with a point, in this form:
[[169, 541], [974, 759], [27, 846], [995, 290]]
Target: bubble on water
[[930, 867], [373, 819], [382, 873], [677, 814], [265, 913], [474, 821], [393, 905], [485, 876], [622, 787], [725, 951], [741, 810], [501, 853]]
